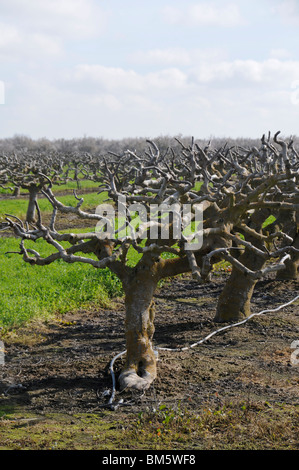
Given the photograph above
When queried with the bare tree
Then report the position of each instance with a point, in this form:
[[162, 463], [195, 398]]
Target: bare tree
[[32, 171], [271, 169], [157, 200]]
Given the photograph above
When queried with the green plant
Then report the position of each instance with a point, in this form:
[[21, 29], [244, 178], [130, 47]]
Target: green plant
[[27, 292]]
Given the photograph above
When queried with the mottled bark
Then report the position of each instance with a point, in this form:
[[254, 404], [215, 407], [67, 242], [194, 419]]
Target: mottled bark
[[291, 272], [30, 216], [140, 367], [235, 298], [17, 191], [139, 286], [287, 222]]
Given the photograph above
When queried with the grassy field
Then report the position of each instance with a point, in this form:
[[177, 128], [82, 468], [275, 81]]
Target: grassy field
[[18, 207], [28, 292], [32, 291]]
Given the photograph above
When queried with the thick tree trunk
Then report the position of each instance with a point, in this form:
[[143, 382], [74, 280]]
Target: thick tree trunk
[[234, 301], [140, 367], [17, 191], [291, 272], [30, 216], [139, 286], [287, 222], [235, 298]]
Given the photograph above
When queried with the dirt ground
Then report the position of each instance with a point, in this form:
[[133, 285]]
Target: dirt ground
[[62, 366]]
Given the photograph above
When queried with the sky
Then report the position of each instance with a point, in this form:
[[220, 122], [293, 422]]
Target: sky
[[128, 68]]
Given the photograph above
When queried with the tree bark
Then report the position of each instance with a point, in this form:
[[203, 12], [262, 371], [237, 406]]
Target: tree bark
[[287, 222], [30, 216], [291, 272], [17, 191], [140, 368], [235, 298]]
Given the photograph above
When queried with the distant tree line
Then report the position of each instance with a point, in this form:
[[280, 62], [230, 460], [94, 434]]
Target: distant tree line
[[101, 145]]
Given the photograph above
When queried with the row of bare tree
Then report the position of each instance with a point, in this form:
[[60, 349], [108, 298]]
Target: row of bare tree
[[238, 188]]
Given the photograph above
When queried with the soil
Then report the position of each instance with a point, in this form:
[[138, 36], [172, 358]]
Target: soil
[[62, 365]]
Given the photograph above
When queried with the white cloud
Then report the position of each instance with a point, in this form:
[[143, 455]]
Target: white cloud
[[216, 97], [200, 109], [69, 71], [37, 30], [41, 42], [75, 18], [287, 10], [271, 72], [204, 14], [280, 53], [23, 45], [107, 78], [102, 100], [166, 79], [177, 56], [9, 36], [119, 79]]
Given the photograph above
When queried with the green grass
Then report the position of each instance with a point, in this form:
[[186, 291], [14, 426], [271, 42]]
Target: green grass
[[34, 291], [85, 184], [29, 291], [18, 207], [235, 425]]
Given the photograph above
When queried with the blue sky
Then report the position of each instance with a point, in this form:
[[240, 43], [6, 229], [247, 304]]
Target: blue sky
[[130, 68]]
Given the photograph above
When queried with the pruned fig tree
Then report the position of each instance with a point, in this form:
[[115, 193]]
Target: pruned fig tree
[[272, 192], [31, 171], [180, 212]]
